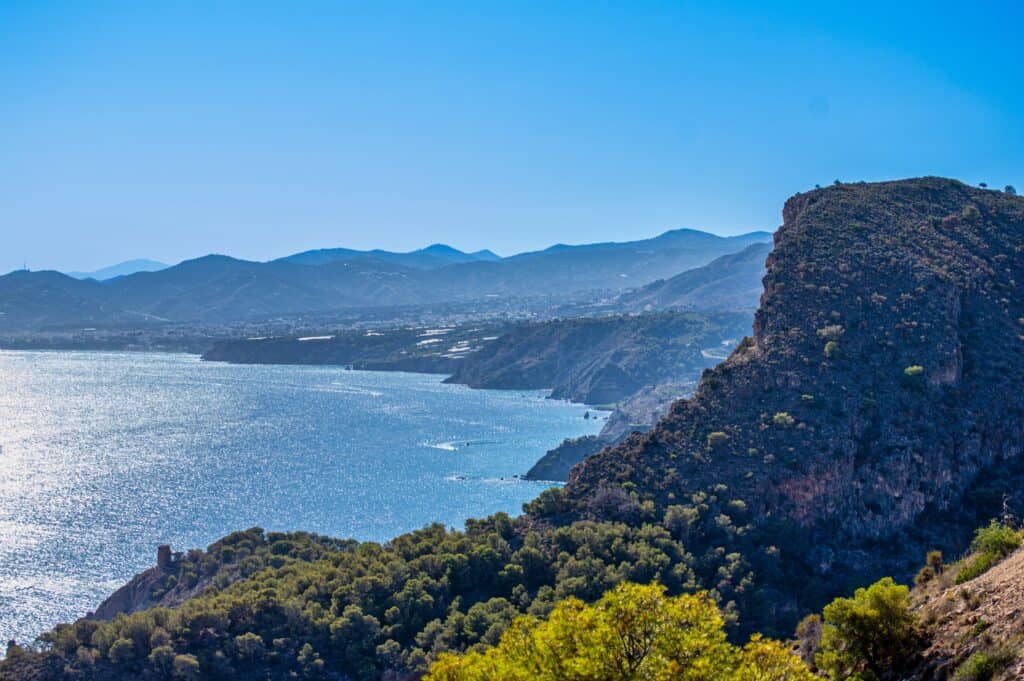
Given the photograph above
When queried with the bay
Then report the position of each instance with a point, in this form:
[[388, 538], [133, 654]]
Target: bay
[[106, 455]]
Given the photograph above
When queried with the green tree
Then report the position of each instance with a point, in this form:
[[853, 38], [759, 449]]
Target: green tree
[[868, 634], [186, 667], [162, 659], [122, 651], [250, 646], [632, 633]]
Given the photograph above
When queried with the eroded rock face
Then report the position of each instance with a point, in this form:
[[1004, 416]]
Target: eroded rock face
[[881, 387]]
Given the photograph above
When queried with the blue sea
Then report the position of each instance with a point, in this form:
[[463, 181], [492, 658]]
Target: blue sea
[[106, 455]]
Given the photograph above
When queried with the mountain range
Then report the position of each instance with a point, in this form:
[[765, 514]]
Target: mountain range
[[121, 269], [217, 288]]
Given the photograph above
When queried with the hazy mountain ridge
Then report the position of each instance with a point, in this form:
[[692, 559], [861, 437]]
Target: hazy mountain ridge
[[730, 282], [120, 269], [217, 288]]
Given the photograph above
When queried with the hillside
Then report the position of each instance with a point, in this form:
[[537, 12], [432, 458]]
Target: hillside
[[219, 288], [731, 282], [876, 410], [978, 618], [406, 348], [599, 360], [431, 257], [120, 269]]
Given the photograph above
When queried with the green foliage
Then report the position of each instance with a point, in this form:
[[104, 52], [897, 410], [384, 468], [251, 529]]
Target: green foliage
[[830, 332], [364, 609], [924, 575], [913, 376], [831, 349], [783, 419], [983, 665], [997, 539], [717, 439], [632, 632], [991, 544], [868, 634], [1009, 189]]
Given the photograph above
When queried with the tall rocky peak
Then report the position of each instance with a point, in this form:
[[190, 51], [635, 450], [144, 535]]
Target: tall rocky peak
[[879, 399]]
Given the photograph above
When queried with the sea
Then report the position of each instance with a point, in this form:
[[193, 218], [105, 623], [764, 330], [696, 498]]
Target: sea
[[106, 455]]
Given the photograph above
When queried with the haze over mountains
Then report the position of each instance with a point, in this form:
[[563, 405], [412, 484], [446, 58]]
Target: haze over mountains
[[217, 288]]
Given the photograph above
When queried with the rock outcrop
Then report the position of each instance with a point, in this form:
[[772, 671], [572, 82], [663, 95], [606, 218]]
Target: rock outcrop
[[877, 410]]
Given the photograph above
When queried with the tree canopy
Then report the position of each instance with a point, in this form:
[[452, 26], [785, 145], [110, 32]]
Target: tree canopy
[[632, 633]]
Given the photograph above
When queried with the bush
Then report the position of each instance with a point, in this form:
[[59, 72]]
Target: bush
[[717, 439], [991, 544], [831, 349], [997, 539], [872, 633], [983, 665], [783, 419], [1010, 190], [924, 575], [913, 376]]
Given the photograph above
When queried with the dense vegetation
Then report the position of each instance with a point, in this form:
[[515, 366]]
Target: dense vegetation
[[633, 633], [364, 609]]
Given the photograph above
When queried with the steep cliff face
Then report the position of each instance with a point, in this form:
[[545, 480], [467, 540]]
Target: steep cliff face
[[880, 391]]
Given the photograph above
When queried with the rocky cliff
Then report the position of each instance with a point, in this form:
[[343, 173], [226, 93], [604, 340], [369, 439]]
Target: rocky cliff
[[876, 410]]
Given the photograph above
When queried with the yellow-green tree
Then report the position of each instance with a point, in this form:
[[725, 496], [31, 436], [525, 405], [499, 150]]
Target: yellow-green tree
[[633, 633], [869, 634]]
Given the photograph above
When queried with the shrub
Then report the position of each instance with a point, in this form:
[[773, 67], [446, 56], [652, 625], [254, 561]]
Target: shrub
[[831, 349], [934, 560], [924, 575], [830, 332], [717, 439], [991, 544], [997, 538], [783, 419], [913, 376], [872, 633], [1010, 190], [983, 665]]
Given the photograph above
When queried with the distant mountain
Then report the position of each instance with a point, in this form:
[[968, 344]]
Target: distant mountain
[[730, 282], [431, 257], [120, 269], [218, 288]]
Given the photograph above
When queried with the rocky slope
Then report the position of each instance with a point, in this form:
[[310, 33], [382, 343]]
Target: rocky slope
[[876, 411], [981, 617], [635, 414], [600, 360]]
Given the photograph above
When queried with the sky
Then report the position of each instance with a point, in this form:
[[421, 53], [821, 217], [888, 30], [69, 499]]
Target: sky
[[257, 129]]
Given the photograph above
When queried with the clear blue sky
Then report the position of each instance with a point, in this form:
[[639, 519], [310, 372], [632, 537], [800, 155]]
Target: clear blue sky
[[258, 129]]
